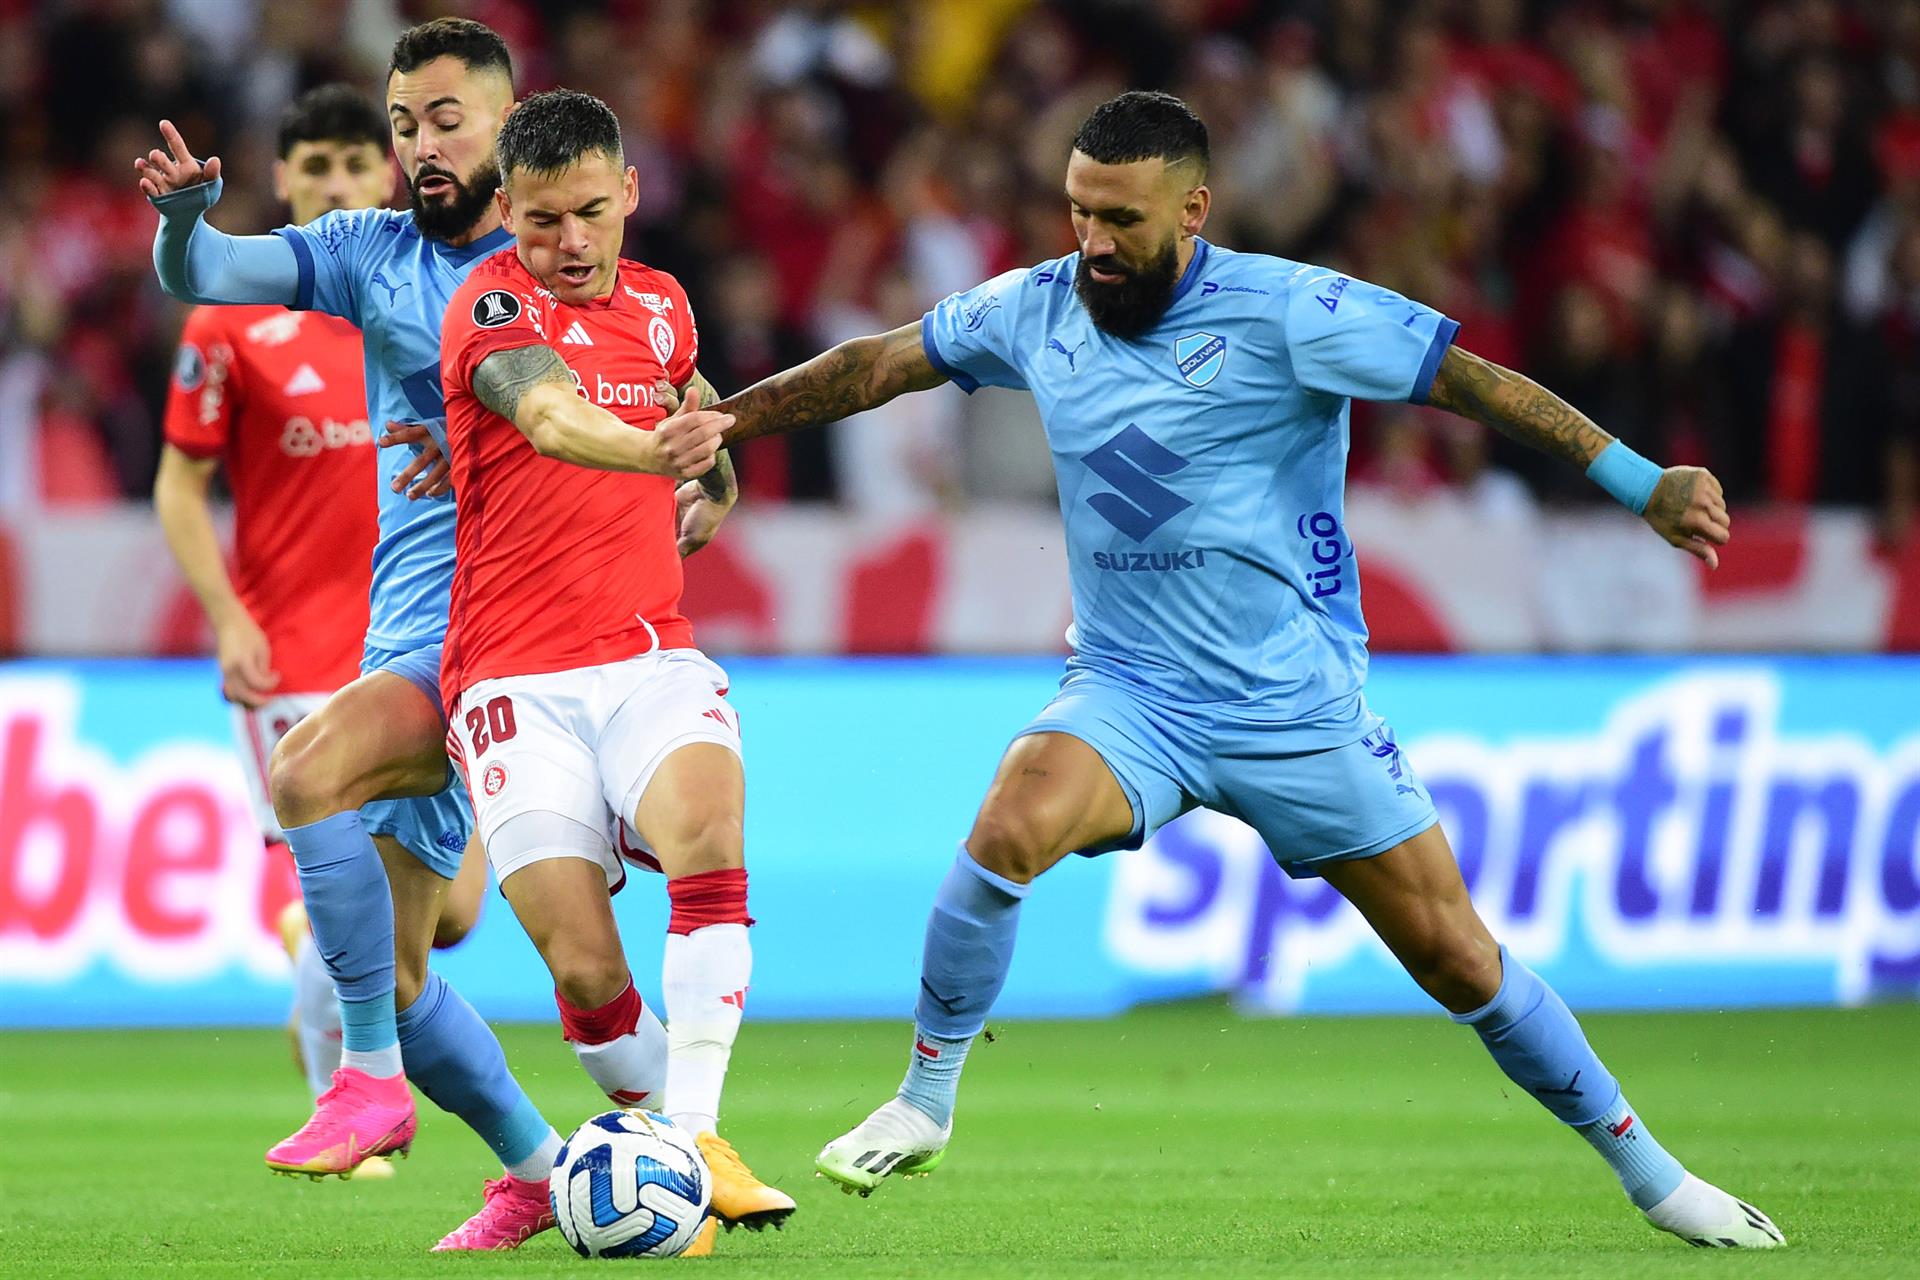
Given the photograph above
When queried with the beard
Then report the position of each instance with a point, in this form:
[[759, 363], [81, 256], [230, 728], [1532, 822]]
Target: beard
[[446, 219], [1130, 308]]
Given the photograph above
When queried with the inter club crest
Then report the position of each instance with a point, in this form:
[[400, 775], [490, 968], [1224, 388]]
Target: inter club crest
[[1200, 357]]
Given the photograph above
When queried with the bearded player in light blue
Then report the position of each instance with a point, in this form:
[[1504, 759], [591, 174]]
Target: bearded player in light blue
[[1195, 401], [336, 775]]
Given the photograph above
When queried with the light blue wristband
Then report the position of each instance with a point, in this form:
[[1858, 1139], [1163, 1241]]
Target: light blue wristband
[[1626, 475]]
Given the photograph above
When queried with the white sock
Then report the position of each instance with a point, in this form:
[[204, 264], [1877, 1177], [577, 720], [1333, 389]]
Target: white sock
[[537, 1166], [630, 1070], [316, 1012], [704, 977]]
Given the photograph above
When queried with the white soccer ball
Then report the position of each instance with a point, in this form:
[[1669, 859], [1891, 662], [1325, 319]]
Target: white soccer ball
[[630, 1184]]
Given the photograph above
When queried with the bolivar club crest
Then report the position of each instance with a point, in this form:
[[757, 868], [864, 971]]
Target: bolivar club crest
[[1200, 357]]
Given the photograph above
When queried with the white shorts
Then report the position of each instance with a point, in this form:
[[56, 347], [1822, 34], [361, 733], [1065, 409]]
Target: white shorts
[[556, 763], [256, 732]]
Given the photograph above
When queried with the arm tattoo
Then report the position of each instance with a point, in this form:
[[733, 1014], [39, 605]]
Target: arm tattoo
[[1516, 406], [718, 484], [505, 376], [853, 377]]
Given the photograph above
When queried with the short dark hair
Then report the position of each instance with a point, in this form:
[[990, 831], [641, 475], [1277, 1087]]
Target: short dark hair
[[551, 131], [477, 45], [332, 113], [1142, 125]]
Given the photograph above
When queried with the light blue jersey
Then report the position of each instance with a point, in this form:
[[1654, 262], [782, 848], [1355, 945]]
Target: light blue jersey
[[373, 268], [1202, 468]]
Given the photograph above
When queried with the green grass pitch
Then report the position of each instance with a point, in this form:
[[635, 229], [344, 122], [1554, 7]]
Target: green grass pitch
[[1174, 1141]]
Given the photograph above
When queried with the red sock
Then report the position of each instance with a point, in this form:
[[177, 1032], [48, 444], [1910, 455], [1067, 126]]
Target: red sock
[[617, 1017], [711, 897]]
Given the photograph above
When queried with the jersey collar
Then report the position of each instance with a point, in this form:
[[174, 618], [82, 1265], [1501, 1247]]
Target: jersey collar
[[490, 243], [1191, 276]]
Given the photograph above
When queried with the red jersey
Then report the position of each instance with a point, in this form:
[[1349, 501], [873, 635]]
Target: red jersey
[[279, 397], [559, 566]]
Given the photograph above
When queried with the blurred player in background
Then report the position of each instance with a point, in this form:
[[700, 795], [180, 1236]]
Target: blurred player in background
[[1196, 402], [579, 702], [371, 764]]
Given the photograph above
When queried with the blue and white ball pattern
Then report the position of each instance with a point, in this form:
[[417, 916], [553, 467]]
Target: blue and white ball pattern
[[630, 1184]]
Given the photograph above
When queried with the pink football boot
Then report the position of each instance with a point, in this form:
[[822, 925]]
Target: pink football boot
[[515, 1211], [360, 1116]]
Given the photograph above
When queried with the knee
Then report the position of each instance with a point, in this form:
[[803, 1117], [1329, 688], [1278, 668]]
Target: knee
[[587, 979], [303, 786], [700, 838], [1016, 843], [1458, 969], [455, 923]]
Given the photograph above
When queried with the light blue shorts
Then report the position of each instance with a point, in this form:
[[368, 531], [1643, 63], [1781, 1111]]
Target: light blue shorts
[[434, 828], [1311, 803]]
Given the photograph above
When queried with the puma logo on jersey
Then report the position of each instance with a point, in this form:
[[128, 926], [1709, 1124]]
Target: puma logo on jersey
[[576, 335], [304, 382]]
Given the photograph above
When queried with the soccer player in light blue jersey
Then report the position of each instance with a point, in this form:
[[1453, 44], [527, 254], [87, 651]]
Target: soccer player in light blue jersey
[[372, 811], [1195, 401]]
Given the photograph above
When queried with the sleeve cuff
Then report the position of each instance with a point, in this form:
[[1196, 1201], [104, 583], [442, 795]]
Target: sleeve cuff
[[1430, 365], [198, 450], [966, 382], [303, 259]]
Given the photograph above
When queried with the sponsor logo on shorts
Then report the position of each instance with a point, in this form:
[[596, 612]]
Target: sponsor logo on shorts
[[494, 308], [494, 780]]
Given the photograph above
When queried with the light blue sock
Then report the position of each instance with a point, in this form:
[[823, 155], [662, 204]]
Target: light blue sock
[[969, 947], [1533, 1036], [350, 909], [455, 1058]]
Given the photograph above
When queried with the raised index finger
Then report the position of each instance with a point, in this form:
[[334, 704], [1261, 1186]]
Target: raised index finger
[[175, 143]]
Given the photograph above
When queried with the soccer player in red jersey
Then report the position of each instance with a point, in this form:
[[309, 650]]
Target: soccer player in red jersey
[[580, 709], [278, 398]]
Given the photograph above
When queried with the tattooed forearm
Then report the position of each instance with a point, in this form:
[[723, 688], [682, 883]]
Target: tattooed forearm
[[853, 377], [505, 376], [1516, 406], [718, 484]]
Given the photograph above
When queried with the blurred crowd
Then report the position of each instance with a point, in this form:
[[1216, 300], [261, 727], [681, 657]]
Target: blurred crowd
[[1699, 220]]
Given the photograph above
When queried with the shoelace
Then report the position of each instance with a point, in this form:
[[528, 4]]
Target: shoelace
[[718, 1150], [319, 1118]]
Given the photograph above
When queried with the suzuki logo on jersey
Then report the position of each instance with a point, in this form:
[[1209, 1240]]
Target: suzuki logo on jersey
[[1200, 357], [494, 308], [1128, 462]]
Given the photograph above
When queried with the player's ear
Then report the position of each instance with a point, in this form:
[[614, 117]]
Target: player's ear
[[505, 206], [1194, 215], [630, 186], [393, 176], [280, 181]]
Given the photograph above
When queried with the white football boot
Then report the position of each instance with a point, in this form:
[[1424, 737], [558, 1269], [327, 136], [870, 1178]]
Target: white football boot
[[898, 1138], [1708, 1218]]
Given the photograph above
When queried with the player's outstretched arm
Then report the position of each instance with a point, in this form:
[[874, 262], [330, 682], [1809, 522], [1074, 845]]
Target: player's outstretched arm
[[195, 262], [531, 388], [857, 375], [1685, 505]]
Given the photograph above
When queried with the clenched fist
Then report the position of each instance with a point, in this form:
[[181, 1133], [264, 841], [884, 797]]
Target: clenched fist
[[1689, 510]]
